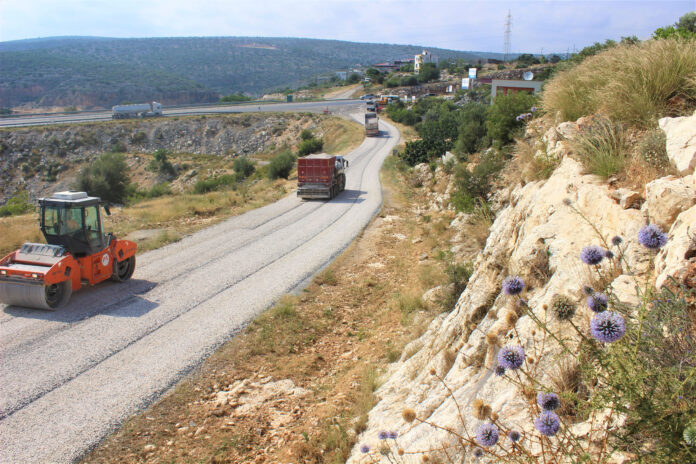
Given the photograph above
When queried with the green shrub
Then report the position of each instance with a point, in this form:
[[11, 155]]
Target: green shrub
[[652, 148], [243, 167], [17, 204], [215, 183], [428, 72], [107, 177], [309, 146], [161, 164], [234, 97], [472, 129], [470, 186], [306, 134], [636, 84], [281, 165], [139, 138], [118, 147], [408, 81], [502, 123], [391, 83], [601, 147], [158, 190]]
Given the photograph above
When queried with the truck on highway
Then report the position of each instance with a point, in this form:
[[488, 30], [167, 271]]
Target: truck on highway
[[371, 124], [321, 176], [140, 110]]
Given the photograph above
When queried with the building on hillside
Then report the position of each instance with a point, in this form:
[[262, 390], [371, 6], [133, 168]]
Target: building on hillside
[[391, 66], [506, 86], [343, 75], [425, 57]]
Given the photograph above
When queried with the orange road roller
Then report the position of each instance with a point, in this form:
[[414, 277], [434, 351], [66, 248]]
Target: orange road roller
[[77, 252]]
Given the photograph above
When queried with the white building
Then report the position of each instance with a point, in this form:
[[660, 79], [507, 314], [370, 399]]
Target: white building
[[425, 57]]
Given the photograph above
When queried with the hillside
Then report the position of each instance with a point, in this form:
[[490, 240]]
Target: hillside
[[100, 72]]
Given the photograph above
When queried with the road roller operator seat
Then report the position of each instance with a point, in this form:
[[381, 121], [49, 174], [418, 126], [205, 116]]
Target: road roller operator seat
[[73, 220]]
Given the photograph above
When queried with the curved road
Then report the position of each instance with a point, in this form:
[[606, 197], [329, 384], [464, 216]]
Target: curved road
[[88, 116], [70, 377]]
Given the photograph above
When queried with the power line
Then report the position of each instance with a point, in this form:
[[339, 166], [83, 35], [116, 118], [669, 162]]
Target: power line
[[508, 28]]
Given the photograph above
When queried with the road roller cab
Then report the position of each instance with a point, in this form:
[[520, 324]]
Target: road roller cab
[[77, 253]]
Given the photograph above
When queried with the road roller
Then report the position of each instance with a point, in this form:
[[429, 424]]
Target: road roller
[[77, 253]]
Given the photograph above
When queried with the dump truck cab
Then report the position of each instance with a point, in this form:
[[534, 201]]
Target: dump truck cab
[[73, 220]]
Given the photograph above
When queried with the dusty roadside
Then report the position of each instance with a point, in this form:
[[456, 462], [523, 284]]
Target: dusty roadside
[[297, 384]]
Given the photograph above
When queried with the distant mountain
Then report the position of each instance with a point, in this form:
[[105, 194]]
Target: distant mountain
[[101, 71]]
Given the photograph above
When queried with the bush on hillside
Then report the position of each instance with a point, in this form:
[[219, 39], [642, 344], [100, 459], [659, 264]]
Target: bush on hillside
[[309, 146], [161, 164], [472, 129], [502, 122], [428, 72], [637, 84], [107, 177], [408, 81], [601, 147], [17, 204], [216, 183], [281, 165], [243, 167], [475, 185]]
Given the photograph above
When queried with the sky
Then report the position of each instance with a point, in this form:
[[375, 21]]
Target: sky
[[537, 25]]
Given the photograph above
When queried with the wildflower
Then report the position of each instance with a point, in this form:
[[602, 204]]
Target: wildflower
[[478, 452], [598, 302], [365, 448], [563, 307], [690, 435], [608, 254], [393, 434], [547, 423], [616, 240], [548, 401], [409, 415], [533, 109], [608, 327], [513, 285], [651, 236], [487, 435], [499, 371], [511, 356], [592, 255], [514, 436], [383, 435]]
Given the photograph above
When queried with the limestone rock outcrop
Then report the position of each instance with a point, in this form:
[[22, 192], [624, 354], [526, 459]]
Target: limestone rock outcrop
[[681, 142]]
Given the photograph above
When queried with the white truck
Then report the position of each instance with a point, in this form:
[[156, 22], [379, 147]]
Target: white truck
[[140, 110]]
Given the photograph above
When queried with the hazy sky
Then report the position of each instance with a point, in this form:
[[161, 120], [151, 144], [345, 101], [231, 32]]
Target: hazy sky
[[460, 25]]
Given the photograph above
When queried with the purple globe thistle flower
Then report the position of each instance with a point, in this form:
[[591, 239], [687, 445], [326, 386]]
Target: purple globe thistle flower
[[547, 423], [513, 285], [616, 240], [514, 436], [651, 236], [598, 302], [548, 401], [487, 435], [608, 327], [511, 357], [608, 254], [592, 255], [499, 371], [365, 449], [393, 434], [478, 452], [533, 109], [383, 435]]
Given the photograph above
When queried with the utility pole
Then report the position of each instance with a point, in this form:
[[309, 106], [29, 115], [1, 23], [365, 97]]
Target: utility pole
[[508, 28]]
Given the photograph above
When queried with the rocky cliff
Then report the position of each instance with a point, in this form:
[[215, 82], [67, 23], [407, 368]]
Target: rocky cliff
[[538, 235], [39, 159]]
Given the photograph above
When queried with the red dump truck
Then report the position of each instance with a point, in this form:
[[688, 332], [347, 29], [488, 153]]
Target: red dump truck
[[371, 125], [321, 176]]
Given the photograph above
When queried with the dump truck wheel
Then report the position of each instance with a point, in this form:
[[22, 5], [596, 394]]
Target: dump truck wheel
[[57, 294], [123, 270], [342, 183]]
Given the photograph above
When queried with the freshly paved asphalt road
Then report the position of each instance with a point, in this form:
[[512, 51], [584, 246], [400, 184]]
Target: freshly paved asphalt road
[[60, 118], [70, 377]]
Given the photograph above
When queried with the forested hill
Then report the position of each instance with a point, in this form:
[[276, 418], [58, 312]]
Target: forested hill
[[100, 72]]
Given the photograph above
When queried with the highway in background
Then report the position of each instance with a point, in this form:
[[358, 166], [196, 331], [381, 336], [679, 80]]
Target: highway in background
[[89, 116]]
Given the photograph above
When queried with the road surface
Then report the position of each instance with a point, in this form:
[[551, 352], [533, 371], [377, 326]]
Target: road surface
[[70, 377], [60, 118]]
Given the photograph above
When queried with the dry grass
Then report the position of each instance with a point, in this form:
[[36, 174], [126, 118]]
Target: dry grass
[[636, 84], [14, 231], [341, 136]]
